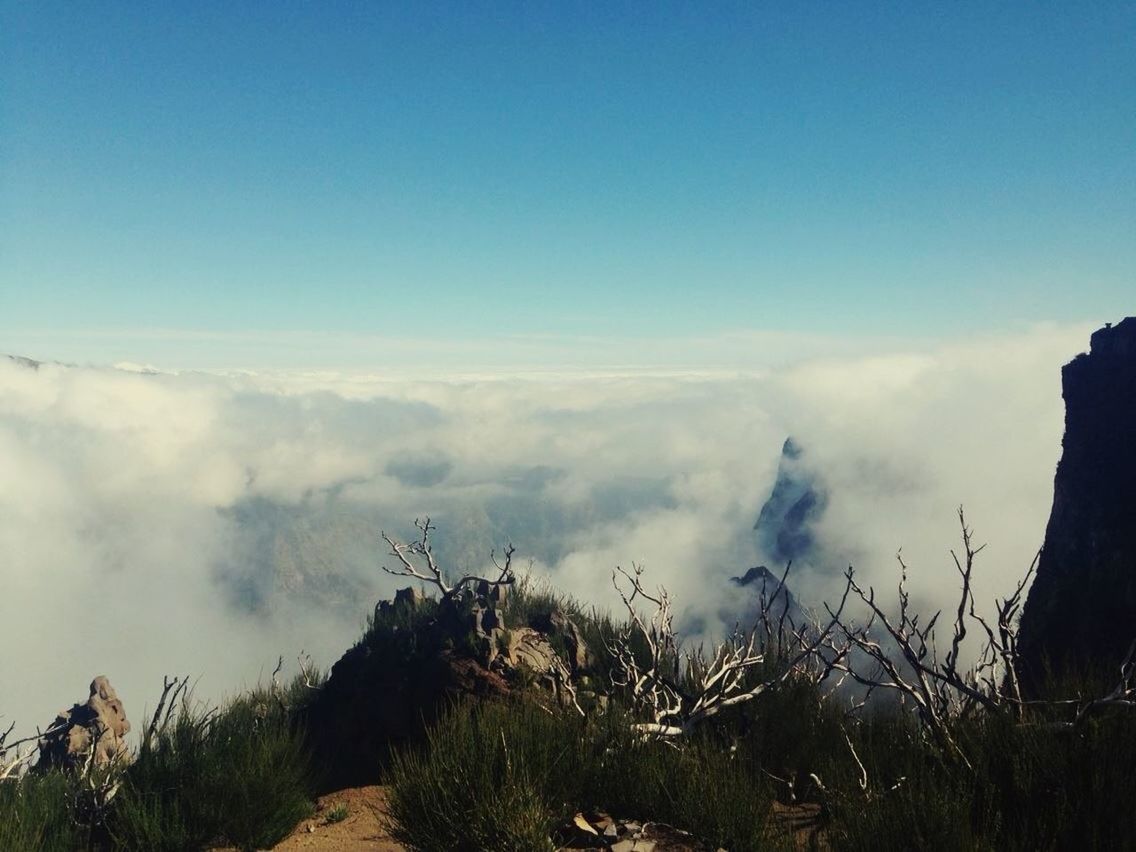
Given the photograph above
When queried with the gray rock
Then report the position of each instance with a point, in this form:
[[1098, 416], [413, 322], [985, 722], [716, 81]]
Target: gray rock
[[410, 597], [494, 593], [531, 649], [95, 731], [580, 658]]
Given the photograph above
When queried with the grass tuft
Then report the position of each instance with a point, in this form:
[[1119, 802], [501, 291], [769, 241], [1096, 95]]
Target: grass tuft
[[498, 776], [238, 776], [35, 813]]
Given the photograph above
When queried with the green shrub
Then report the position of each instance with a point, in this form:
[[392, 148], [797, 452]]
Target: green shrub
[[477, 783], [240, 776], [699, 787], [35, 814], [1029, 786], [506, 776]]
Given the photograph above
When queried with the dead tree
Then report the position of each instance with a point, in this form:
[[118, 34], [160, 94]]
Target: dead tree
[[900, 654], [12, 757], [100, 783], [675, 690], [173, 689], [897, 653], [427, 570], [1123, 695]]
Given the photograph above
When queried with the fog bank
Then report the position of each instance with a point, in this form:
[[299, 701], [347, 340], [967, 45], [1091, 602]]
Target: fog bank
[[154, 523]]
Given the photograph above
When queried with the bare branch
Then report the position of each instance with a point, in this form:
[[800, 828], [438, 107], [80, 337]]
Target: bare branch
[[905, 661], [428, 571], [277, 690], [171, 689], [11, 766], [675, 691], [420, 548], [311, 678]]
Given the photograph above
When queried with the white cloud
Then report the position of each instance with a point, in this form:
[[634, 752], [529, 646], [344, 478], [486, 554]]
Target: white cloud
[[153, 523]]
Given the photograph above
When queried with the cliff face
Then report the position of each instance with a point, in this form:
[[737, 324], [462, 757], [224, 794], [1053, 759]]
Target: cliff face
[[1082, 607]]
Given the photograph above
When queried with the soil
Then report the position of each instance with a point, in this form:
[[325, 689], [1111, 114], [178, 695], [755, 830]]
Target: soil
[[364, 827], [802, 823]]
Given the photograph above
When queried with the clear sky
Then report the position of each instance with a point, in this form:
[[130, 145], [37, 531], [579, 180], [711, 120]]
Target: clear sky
[[232, 171]]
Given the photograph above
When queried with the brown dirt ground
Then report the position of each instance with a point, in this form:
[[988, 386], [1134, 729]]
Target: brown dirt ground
[[364, 828], [802, 823]]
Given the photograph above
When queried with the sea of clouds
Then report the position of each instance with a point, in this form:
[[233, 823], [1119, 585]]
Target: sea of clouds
[[205, 522]]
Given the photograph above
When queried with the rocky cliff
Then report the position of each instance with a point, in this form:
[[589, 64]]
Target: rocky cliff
[[784, 534], [784, 527], [1081, 610]]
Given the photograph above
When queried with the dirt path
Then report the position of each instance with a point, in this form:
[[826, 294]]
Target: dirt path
[[363, 828]]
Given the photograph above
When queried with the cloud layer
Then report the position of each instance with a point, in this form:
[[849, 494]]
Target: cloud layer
[[201, 523]]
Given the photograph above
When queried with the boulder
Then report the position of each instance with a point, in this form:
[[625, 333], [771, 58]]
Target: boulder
[[494, 593], [558, 624], [531, 649], [580, 657], [95, 731], [407, 600], [410, 597]]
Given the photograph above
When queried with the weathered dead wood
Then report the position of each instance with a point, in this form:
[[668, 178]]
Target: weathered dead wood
[[427, 569], [675, 690]]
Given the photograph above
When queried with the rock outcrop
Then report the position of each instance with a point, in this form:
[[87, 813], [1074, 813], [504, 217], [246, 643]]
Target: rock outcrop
[[94, 731], [761, 587], [1081, 611], [784, 525], [784, 533], [389, 687], [558, 625], [422, 655]]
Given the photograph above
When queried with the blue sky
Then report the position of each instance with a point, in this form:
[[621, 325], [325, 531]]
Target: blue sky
[[176, 176]]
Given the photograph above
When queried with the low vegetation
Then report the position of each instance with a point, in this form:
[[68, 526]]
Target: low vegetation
[[941, 756], [35, 813], [499, 776], [241, 776], [722, 743], [505, 776]]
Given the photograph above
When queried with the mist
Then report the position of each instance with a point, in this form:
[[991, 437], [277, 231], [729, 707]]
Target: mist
[[204, 523]]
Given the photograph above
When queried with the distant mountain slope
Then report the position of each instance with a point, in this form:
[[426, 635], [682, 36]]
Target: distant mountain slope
[[24, 362], [316, 554]]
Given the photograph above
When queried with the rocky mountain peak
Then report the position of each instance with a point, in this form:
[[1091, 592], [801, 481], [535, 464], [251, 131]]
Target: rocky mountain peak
[[784, 526]]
